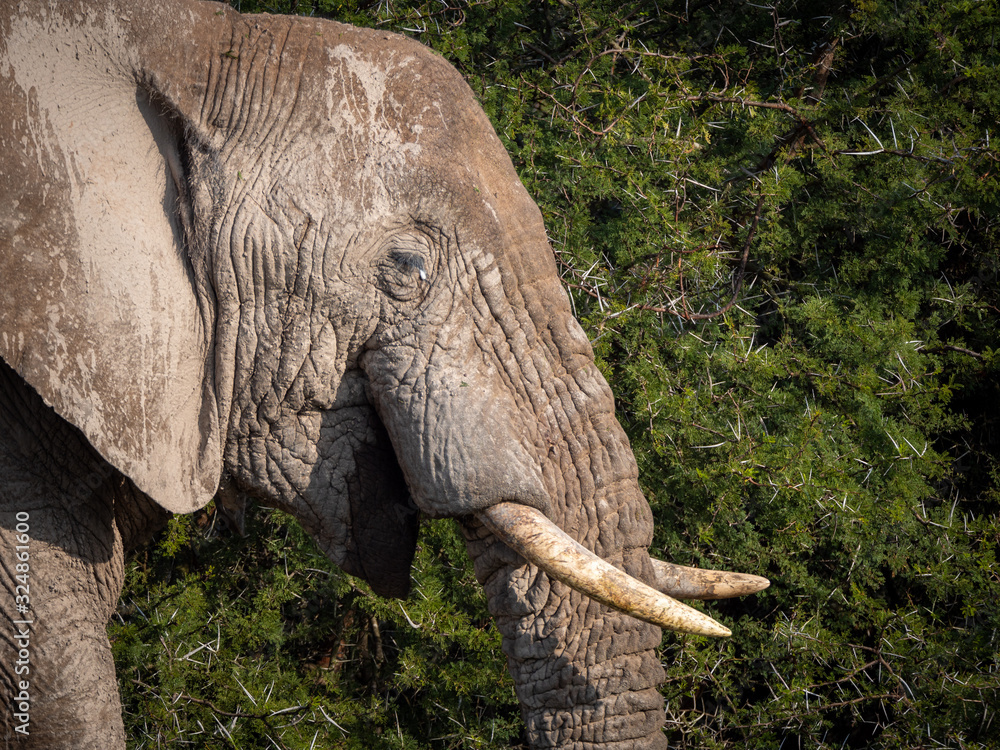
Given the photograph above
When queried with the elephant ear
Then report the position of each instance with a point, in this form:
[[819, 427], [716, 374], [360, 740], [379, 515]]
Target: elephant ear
[[98, 304]]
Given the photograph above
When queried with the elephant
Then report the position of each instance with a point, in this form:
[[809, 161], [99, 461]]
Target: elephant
[[289, 260]]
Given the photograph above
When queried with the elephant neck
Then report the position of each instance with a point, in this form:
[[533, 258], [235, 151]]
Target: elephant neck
[[50, 467], [37, 443]]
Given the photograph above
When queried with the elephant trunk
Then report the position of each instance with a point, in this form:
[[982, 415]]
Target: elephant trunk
[[586, 674]]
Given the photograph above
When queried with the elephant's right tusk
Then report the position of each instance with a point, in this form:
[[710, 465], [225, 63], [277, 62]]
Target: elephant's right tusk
[[528, 532], [696, 583]]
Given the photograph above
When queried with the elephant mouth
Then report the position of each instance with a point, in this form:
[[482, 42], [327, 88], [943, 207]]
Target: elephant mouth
[[537, 539]]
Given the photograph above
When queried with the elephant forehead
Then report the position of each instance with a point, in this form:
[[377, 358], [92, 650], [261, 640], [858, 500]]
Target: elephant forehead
[[402, 123], [361, 100], [367, 121]]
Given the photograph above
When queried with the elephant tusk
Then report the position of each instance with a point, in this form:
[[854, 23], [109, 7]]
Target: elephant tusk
[[529, 533], [695, 583]]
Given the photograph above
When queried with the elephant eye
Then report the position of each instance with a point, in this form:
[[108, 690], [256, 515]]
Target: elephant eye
[[404, 275], [409, 263]]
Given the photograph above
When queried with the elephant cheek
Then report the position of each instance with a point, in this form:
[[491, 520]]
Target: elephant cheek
[[357, 505], [336, 472]]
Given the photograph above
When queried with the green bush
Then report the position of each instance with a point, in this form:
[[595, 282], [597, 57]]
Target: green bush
[[261, 642], [780, 227]]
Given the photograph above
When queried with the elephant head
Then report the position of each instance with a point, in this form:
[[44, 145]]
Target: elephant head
[[293, 257]]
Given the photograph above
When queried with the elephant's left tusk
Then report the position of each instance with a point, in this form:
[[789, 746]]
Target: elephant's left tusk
[[697, 583], [528, 532]]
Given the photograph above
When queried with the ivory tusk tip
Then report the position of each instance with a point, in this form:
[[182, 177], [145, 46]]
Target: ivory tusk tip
[[683, 582], [670, 614], [718, 630]]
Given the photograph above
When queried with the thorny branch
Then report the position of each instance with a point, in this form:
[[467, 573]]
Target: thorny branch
[[790, 144], [263, 717]]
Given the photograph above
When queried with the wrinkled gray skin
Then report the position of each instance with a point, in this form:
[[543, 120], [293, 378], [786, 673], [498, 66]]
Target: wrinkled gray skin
[[292, 256]]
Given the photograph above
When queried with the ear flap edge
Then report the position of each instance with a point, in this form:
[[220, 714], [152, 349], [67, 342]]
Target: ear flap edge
[[98, 305]]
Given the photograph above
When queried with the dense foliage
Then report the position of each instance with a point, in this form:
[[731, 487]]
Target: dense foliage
[[781, 227]]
